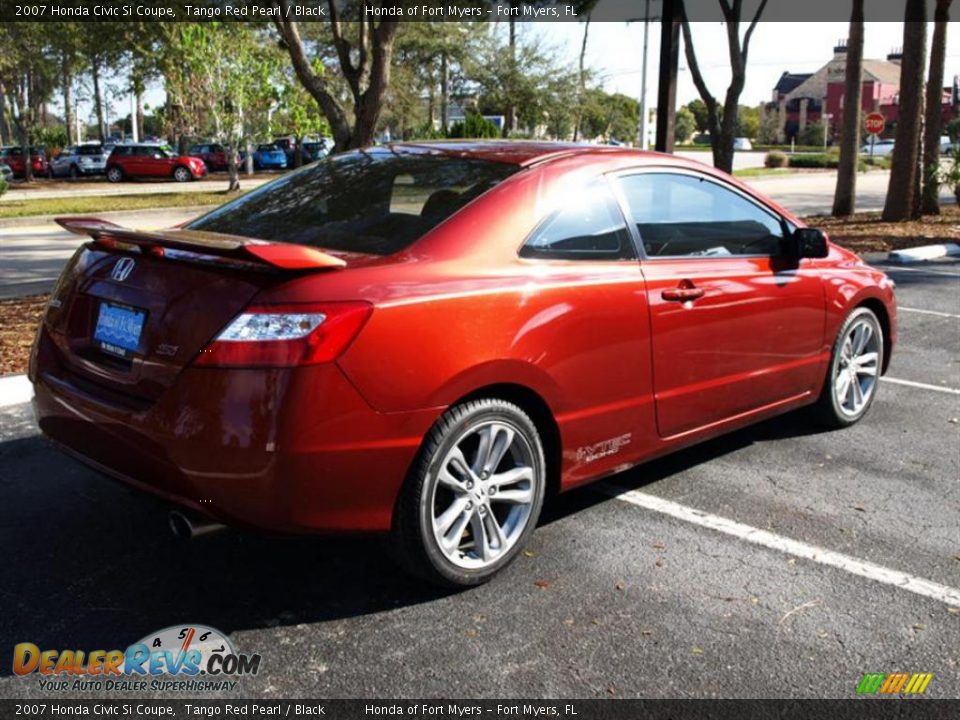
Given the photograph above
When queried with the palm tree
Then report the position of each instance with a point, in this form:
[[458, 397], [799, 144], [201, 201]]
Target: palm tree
[[845, 195], [932, 127], [901, 201]]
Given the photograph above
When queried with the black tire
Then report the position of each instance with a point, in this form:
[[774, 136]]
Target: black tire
[[74, 172], [412, 539], [827, 409], [182, 174], [114, 174]]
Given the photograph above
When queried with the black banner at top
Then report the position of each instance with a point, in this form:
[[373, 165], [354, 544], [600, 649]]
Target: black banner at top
[[433, 10]]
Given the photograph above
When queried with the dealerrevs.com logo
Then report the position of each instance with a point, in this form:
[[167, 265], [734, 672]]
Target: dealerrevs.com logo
[[187, 658]]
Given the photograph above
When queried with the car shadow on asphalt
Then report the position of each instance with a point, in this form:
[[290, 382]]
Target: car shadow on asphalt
[[90, 564]]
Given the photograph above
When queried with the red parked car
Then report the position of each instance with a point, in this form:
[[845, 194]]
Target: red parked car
[[127, 162], [427, 339], [214, 155], [14, 158]]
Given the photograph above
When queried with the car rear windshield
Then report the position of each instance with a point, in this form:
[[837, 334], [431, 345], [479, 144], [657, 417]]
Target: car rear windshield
[[89, 150], [372, 201]]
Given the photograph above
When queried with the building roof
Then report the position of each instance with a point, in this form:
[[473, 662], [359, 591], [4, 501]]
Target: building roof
[[882, 71], [788, 81]]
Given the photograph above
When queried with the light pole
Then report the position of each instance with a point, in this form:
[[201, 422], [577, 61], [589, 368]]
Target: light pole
[[644, 112]]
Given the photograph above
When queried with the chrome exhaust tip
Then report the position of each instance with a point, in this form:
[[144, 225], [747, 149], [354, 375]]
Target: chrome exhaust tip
[[187, 527]]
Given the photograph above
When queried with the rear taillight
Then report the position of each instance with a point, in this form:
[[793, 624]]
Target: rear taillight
[[286, 335]]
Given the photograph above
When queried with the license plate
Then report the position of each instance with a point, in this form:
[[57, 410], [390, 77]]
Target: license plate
[[118, 329]]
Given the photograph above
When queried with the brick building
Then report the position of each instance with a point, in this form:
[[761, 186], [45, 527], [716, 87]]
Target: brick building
[[802, 99]]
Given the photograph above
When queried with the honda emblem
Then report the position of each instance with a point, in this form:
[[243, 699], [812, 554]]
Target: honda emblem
[[121, 271]]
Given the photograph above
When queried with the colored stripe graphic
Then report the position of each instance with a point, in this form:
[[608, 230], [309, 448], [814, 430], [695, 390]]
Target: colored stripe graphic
[[894, 683]]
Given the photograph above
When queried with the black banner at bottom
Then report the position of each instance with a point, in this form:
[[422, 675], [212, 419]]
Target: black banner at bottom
[[854, 709]]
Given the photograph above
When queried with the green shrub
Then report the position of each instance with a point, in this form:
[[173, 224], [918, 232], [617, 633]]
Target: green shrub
[[775, 159], [474, 126], [3, 186], [821, 160], [814, 160]]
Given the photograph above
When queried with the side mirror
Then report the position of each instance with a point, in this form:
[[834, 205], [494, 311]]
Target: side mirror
[[807, 243]]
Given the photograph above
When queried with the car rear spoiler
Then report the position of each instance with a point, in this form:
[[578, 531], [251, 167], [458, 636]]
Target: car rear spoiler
[[278, 255]]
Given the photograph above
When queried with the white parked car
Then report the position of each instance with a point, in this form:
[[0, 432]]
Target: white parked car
[[880, 148], [947, 146], [742, 143]]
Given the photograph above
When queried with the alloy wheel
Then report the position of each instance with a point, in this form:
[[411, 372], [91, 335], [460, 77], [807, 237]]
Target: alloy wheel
[[857, 368], [483, 494]]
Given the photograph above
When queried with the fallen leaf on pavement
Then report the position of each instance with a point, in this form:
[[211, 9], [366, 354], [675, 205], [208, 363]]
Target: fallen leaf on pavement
[[542, 584], [697, 651]]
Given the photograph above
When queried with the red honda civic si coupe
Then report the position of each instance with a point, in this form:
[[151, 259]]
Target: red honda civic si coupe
[[426, 339]]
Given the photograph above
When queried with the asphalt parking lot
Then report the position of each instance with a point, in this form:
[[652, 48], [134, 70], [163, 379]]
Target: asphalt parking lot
[[613, 598]]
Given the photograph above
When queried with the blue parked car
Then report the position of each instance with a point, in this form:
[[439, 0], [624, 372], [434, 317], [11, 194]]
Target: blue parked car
[[269, 157]]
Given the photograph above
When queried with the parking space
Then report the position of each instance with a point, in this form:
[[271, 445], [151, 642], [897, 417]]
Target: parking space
[[613, 599]]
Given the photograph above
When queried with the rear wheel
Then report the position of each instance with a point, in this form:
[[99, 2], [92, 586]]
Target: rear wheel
[[114, 174], [182, 174], [74, 172], [851, 383], [474, 494]]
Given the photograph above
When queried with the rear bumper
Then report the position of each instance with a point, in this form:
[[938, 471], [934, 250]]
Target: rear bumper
[[290, 451]]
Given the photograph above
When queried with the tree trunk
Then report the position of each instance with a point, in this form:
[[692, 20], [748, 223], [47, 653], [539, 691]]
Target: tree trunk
[[98, 99], [139, 117], [932, 127], [582, 84], [900, 203], [233, 169], [5, 135], [723, 130], [66, 76], [372, 64], [844, 197], [510, 114], [444, 93]]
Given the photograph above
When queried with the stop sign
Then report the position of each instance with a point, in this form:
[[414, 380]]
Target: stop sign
[[875, 123]]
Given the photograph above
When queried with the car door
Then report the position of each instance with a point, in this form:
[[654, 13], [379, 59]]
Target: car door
[[736, 326]]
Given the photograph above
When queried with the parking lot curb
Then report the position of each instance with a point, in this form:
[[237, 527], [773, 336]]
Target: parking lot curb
[[15, 390], [925, 252], [29, 220]]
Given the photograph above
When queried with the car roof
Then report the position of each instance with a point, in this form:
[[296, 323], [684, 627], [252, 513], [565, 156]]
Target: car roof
[[517, 152]]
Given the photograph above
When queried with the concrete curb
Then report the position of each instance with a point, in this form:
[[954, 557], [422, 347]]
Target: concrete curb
[[29, 220], [925, 252], [15, 390]]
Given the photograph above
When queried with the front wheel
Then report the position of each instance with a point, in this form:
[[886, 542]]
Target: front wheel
[[181, 174], [114, 174], [473, 496], [855, 366]]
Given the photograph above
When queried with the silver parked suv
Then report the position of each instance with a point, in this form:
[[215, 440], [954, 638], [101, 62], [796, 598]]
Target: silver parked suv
[[80, 160]]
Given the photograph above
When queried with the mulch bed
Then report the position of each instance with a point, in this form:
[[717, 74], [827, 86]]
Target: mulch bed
[[18, 324], [866, 232]]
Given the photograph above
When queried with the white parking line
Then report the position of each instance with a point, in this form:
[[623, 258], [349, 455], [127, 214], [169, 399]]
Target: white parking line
[[921, 386], [852, 565], [935, 313], [15, 390]]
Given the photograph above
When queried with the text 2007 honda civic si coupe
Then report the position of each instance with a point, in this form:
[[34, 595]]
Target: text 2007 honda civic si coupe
[[427, 339]]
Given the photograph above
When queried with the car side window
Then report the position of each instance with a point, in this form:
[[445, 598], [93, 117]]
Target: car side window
[[588, 227], [688, 215]]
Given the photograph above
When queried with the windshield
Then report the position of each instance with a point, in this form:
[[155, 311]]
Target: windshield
[[373, 201]]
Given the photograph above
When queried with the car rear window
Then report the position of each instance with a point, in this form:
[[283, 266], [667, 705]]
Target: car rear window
[[89, 150], [369, 201]]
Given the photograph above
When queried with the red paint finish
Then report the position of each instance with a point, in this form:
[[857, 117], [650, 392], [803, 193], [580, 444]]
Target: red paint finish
[[652, 354]]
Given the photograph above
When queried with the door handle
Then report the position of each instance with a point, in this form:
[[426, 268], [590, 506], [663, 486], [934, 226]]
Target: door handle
[[682, 294]]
